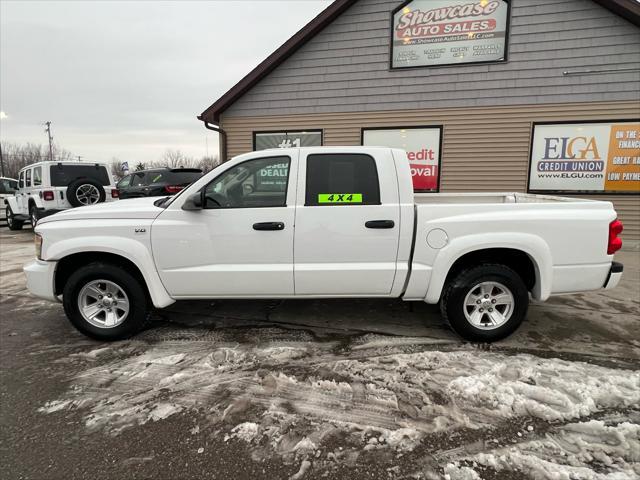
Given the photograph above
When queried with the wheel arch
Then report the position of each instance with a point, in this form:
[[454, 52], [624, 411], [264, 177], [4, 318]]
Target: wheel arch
[[528, 255], [69, 262]]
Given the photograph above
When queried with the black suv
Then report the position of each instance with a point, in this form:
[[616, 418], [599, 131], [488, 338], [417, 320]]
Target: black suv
[[157, 182]]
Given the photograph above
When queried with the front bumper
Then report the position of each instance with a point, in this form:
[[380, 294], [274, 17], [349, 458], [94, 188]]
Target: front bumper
[[40, 279], [615, 274]]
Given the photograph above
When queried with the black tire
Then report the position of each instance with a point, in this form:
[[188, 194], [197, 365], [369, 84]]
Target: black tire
[[12, 223], [137, 317], [452, 304], [76, 187], [33, 215]]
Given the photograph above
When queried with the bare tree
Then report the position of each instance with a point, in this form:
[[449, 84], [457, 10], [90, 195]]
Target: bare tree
[[206, 164], [175, 159], [16, 156]]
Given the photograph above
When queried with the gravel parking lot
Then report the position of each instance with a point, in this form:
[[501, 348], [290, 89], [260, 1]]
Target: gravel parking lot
[[320, 389]]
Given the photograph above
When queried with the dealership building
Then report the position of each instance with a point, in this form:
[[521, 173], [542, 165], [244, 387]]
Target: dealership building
[[485, 95]]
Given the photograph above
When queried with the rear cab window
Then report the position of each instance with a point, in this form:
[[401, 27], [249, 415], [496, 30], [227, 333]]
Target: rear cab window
[[63, 175], [28, 178], [8, 186], [21, 180], [341, 179]]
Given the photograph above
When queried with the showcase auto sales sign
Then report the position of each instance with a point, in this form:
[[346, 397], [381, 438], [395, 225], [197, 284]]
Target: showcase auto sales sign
[[423, 151], [445, 32]]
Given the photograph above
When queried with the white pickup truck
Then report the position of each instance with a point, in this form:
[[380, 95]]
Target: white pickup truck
[[323, 222]]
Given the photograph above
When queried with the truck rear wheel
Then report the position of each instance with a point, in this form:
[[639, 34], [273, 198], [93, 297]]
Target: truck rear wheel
[[12, 223], [485, 303], [105, 302]]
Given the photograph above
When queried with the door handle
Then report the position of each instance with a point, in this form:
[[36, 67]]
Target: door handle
[[268, 226], [380, 224]]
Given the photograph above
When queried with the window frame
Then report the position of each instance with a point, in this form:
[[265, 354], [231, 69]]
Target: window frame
[[27, 178], [254, 135], [286, 188], [21, 179], [306, 181]]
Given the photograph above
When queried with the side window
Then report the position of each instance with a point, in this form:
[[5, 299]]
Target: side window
[[37, 176], [253, 184], [137, 179], [28, 178], [342, 179], [21, 180], [124, 182]]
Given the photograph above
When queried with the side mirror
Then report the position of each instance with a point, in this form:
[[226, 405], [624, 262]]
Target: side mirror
[[193, 202]]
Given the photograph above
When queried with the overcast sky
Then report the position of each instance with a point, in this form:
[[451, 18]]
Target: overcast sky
[[127, 79]]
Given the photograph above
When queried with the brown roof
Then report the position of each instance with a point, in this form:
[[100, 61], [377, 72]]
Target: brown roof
[[627, 9]]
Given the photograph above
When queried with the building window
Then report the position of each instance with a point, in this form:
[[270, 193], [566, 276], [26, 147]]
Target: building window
[[587, 157], [423, 146], [342, 179], [287, 139]]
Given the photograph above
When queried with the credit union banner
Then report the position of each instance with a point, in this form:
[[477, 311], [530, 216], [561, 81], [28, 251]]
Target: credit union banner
[[423, 151], [586, 157], [447, 32]]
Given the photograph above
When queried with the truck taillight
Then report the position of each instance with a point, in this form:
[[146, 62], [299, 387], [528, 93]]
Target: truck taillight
[[115, 193], [615, 243], [172, 188], [48, 195]]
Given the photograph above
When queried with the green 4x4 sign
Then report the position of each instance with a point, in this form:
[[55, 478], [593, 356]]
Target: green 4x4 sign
[[339, 198]]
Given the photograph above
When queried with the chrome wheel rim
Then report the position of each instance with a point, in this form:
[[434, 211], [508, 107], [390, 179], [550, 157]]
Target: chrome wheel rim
[[87, 194], [9, 216], [488, 305], [34, 220], [103, 304]]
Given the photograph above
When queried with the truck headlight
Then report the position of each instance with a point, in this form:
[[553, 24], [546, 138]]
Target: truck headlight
[[37, 238]]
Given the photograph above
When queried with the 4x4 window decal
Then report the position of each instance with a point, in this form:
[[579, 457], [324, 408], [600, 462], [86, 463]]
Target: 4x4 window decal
[[339, 198]]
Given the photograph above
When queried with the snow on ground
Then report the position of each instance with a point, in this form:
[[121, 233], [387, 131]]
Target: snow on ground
[[324, 403]]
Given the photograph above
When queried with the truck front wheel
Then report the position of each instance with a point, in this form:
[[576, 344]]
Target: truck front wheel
[[485, 303], [105, 302]]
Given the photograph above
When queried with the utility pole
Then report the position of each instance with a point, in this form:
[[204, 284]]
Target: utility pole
[[1, 163], [48, 130]]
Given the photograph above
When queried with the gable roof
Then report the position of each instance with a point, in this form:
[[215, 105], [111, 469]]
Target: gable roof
[[627, 9]]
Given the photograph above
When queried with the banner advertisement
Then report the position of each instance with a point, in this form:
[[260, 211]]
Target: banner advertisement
[[262, 141], [423, 151], [586, 157], [449, 32]]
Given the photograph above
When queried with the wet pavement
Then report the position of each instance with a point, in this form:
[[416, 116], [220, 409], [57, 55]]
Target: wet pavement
[[318, 389]]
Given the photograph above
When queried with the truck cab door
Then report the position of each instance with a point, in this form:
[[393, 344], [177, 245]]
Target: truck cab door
[[21, 196], [240, 244], [347, 223]]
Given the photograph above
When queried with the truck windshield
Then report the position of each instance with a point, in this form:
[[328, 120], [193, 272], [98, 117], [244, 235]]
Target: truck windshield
[[63, 175]]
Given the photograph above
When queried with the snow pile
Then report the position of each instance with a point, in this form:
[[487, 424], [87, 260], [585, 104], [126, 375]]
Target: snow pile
[[582, 451], [303, 401]]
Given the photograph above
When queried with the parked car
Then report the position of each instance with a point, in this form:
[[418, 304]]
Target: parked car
[[45, 188], [360, 231], [8, 187], [157, 182]]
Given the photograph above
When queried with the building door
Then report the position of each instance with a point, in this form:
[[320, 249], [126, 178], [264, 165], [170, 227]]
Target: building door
[[347, 224], [241, 243]]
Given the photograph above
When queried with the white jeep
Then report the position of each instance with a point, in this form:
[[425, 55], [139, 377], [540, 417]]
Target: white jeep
[[45, 188]]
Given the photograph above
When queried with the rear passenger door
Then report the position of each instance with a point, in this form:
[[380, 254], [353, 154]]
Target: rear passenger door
[[347, 224]]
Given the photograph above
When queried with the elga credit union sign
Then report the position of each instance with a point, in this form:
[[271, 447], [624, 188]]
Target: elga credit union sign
[[446, 32], [586, 157], [423, 151]]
